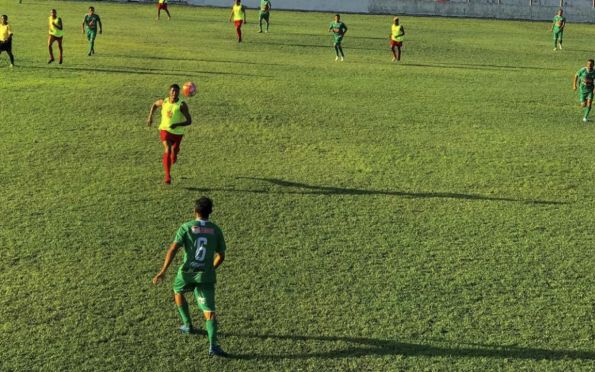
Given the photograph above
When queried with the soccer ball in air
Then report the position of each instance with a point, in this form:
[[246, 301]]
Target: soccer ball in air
[[189, 89]]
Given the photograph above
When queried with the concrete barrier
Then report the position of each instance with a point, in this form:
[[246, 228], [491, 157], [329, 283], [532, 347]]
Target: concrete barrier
[[538, 10]]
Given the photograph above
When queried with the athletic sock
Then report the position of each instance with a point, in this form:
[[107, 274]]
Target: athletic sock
[[337, 50], [341, 50], [185, 314], [166, 165], [212, 331], [586, 110]]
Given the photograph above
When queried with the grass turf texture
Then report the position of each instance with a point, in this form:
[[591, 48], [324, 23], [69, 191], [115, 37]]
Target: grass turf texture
[[436, 214]]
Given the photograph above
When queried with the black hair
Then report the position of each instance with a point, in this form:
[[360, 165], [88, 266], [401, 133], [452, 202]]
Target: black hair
[[4, 16], [175, 86], [204, 207], [338, 15], [590, 60], [92, 8]]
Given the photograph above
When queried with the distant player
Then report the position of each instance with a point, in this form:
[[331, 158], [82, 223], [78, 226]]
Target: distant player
[[265, 14], [396, 39], [204, 252], [558, 28], [90, 23], [238, 14], [162, 5], [6, 38], [175, 116], [585, 77], [339, 29], [56, 34]]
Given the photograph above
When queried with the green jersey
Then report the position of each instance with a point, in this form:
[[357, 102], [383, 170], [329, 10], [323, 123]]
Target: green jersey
[[91, 21], [265, 6], [559, 22], [338, 28], [201, 240], [586, 79]]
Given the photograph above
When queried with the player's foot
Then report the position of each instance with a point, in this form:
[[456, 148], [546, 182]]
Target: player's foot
[[585, 120], [336, 58], [50, 61], [11, 65], [560, 46], [186, 329], [217, 351], [260, 31], [89, 54], [167, 180], [342, 59], [394, 59], [267, 31], [555, 49], [60, 61]]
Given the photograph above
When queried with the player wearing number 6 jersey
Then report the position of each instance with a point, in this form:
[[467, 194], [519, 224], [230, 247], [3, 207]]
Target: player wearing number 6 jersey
[[204, 251]]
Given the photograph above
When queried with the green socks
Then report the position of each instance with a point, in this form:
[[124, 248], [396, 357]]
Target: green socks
[[212, 331], [586, 110], [185, 314]]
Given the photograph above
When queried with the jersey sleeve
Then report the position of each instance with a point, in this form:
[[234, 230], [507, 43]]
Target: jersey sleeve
[[180, 236], [220, 242]]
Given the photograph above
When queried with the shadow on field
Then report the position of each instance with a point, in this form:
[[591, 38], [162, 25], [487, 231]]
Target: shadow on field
[[329, 45], [197, 60], [329, 190], [145, 71], [376, 347], [471, 66]]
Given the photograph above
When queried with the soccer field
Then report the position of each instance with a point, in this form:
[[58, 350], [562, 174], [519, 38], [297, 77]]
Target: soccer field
[[435, 214]]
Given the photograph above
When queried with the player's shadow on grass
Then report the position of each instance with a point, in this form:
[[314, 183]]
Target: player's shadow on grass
[[197, 60], [305, 189], [144, 71], [363, 346], [328, 46]]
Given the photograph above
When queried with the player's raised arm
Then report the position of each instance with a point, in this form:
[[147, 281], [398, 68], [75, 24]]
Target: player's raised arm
[[169, 257], [154, 107]]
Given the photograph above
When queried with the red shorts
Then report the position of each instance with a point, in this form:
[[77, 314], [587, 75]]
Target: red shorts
[[162, 6], [395, 43], [170, 137], [238, 24]]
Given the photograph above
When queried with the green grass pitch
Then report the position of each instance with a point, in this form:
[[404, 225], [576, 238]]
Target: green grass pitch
[[432, 215]]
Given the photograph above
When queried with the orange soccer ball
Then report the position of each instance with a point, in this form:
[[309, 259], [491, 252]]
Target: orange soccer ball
[[189, 89]]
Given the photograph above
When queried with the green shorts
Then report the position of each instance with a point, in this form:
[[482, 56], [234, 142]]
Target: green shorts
[[264, 16], [91, 35], [204, 293], [337, 40], [558, 35], [585, 95]]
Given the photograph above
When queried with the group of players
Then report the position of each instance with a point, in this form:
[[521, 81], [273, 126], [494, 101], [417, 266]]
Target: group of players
[[202, 241]]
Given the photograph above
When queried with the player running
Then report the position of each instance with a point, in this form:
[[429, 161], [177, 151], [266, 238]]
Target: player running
[[204, 252], [585, 77], [339, 29], [558, 28], [162, 5], [90, 23], [396, 39], [175, 116], [56, 31], [265, 14], [238, 14], [6, 38]]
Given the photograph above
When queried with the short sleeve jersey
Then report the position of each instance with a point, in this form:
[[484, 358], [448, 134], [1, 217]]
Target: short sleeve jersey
[[559, 23], [338, 28], [91, 21], [5, 32], [265, 6], [586, 78], [200, 240]]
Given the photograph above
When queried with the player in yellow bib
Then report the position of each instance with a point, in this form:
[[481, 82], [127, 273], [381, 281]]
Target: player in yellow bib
[[56, 33], [175, 116], [238, 14], [397, 32]]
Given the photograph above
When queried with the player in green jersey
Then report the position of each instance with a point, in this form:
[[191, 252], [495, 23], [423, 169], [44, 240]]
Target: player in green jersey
[[265, 14], [90, 23], [585, 77], [339, 29], [558, 28], [204, 252]]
